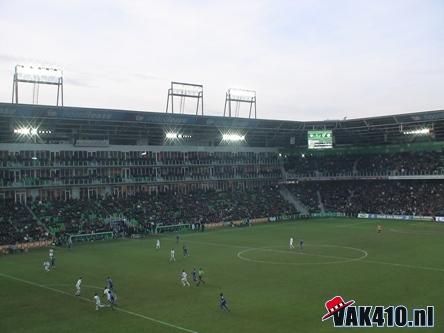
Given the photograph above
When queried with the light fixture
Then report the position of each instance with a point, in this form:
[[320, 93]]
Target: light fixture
[[418, 131], [233, 137], [173, 135], [176, 136], [28, 131]]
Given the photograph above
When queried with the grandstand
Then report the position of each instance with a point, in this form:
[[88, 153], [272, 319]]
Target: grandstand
[[68, 170]]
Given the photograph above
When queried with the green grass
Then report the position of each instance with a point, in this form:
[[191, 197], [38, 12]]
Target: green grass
[[272, 289]]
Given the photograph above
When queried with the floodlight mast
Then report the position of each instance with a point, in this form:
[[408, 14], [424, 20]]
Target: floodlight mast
[[37, 75], [185, 90], [239, 96]]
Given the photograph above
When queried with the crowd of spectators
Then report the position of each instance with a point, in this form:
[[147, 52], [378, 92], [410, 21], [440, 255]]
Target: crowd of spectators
[[406, 197], [17, 225], [140, 212], [365, 164], [203, 206], [71, 216]]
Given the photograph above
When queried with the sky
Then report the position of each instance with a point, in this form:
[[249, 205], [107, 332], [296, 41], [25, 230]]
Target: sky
[[306, 60]]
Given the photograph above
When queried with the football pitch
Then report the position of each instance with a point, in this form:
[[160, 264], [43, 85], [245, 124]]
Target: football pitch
[[269, 288]]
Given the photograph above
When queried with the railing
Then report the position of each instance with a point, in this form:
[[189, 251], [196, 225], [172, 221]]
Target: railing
[[124, 164], [36, 182], [436, 174]]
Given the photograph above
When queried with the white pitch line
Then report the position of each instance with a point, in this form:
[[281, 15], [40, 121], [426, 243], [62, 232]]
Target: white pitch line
[[186, 240], [353, 224], [365, 260], [436, 269], [420, 233], [309, 254], [341, 261], [135, 314]]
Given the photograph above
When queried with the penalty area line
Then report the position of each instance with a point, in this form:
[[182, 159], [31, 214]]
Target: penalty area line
[[135, 314]]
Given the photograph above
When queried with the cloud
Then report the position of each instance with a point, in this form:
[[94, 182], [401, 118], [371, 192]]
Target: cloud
[[306, 59], [8, 58], [145, 76]]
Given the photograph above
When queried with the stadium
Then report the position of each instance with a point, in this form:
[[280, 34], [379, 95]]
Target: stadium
[[173, 221]]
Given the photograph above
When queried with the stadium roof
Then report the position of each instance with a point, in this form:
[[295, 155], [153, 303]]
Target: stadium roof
[[68, 124]]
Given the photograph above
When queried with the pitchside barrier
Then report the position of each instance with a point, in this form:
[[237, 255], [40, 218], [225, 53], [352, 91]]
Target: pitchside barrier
[[238, 223], [24, 247], [396, 217], [328, 214]]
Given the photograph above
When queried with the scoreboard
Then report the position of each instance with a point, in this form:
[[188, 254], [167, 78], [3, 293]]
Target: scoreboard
[[320, 139]]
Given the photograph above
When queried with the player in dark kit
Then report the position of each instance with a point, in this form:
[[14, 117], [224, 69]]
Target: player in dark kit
[[185, 250], [301, 244], [194, 275], [223, 302], [177, 238], [53, 261], [111, 299], [200, 276], [109, 282]]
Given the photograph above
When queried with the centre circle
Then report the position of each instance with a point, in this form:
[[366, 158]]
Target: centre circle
[[330, 255]]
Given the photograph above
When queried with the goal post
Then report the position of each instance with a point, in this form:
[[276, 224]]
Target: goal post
[[172, 228], [77, 238]]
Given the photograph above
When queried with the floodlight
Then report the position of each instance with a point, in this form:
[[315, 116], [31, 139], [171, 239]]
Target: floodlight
[[240, 96], [242, 93], [36, 75], [176, 136], [233, 137], [172, 135], [419, 131], [185, 90], [28, 131]]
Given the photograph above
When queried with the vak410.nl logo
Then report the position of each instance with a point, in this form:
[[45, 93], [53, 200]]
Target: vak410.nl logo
[[348, 314]]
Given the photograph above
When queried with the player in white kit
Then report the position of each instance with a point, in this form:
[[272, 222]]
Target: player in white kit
[[97, 301], [172, 255], [46, 265], [158, 244], [291, 243], [78, 286], [184, 279]]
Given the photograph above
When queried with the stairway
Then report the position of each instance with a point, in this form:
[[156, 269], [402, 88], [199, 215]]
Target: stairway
[[287, 195], [284, 174], [37, 219], [321, 204], [355, 167]]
